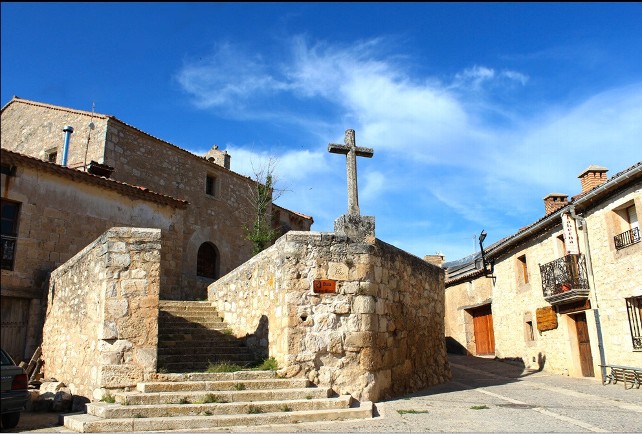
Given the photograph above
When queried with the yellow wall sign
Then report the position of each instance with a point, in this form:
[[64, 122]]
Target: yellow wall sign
[[546, 319], [324, 286]]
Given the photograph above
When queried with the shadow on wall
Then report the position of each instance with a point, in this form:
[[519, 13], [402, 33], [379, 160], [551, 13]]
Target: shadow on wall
[[454, 347], [259, 341]]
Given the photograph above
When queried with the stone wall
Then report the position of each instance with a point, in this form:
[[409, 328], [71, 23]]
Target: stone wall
[[101, 327], [35, 129], [380, 335]]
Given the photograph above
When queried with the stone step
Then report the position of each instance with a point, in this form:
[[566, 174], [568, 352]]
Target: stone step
[[212, 356], [118, 411], [183, 303], [138, 398], [90, 423], [191, 349], [186, 367], [217, 376], [192, 386], [194, 335], [176, 321]]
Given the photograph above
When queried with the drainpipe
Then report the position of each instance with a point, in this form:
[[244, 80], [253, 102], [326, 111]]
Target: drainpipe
[[65, 149], [589, 269]]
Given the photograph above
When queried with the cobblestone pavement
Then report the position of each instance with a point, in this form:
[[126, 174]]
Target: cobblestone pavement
[[487, 395]]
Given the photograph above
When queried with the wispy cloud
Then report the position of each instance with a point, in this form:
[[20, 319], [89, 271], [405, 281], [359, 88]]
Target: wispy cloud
[[437, 143]]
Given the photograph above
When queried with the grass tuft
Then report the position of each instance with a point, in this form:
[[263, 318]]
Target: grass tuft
[[239, 386], [253, 409], [412, 411], [223, 367], [268, 365], [479, 407], [108, 398]]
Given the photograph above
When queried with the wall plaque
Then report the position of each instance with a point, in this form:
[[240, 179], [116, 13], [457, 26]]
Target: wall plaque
[[324, 286], [546, 319]]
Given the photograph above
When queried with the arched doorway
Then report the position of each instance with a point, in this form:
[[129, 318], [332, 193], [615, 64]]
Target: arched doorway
[[207, 261]]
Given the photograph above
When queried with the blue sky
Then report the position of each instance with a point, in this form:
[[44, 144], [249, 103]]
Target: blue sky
[[475, 111]]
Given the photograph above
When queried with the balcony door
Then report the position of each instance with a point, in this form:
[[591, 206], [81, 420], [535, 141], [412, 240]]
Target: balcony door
[[584, 344], [484, 333]]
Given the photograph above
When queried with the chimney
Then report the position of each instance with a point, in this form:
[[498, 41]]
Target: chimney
[[65, 148], [437, 259], [555, 201], [593, 176]]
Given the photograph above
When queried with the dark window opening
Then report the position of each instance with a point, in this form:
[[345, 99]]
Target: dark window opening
[[207, 262], [634, 310], [10, 212], [52, 156], [524, 269], [210, 185]]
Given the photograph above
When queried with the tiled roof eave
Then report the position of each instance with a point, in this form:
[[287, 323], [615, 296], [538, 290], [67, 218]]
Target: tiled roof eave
[[137, 192]]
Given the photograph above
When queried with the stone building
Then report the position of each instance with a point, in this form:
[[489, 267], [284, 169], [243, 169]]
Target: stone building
[[62, 189], [563, 294]]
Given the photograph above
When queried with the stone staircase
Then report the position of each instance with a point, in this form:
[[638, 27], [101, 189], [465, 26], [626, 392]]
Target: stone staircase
[[185, 397], [192, 401], [191, 335]]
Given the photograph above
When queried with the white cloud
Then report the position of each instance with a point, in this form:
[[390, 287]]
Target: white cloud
[[434, 146]]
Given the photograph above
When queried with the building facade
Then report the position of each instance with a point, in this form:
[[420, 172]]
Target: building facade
[[63, 189], [563, 294]]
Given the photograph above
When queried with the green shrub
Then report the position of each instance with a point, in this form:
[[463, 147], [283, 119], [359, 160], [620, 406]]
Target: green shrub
[[411, 411], [479, 407], [239, 386]]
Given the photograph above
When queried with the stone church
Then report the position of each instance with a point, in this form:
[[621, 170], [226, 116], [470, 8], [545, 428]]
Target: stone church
[[63, 189]]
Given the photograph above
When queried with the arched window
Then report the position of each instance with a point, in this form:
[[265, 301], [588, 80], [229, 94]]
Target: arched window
[[207, 261]]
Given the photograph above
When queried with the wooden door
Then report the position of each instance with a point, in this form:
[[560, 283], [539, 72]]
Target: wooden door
[[13, 336], [584, 344], [484, 333]]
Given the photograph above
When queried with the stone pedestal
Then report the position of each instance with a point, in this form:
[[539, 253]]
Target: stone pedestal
[[356, 227]]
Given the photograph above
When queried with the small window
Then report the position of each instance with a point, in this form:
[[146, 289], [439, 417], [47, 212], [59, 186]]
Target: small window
[[522, 268], [530, 335], [210, 185], [10, 213], [634, 310], [51, 155]]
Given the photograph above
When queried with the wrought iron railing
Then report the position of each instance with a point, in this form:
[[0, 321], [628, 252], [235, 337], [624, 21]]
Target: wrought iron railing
[[8, 248], [564, 274], [627, 238]]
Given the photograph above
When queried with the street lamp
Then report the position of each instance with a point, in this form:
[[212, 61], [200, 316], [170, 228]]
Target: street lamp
[[487, 272]]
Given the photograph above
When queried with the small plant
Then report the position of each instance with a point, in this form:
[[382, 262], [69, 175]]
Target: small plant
[[223, 367], [253, 409], [412, 411], [285, 408], [207, 413], [162, 371], [183, 401], [479, 407], [139, 416], [268, 365], [239, 386], [108, 398], [227, 332], [210, 398], [308, 397]]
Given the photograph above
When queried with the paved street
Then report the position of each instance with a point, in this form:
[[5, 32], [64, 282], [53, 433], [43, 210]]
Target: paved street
[[491, 396]]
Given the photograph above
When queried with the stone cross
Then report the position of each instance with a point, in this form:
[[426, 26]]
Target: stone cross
[[351, 152]]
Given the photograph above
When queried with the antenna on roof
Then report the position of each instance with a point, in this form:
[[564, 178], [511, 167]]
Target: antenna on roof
[[91, 127]]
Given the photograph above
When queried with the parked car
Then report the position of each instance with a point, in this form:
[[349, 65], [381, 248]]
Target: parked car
[[14, 391]]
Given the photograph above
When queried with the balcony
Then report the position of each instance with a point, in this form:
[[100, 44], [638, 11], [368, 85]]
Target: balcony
[[565, 279], [627, 238]]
